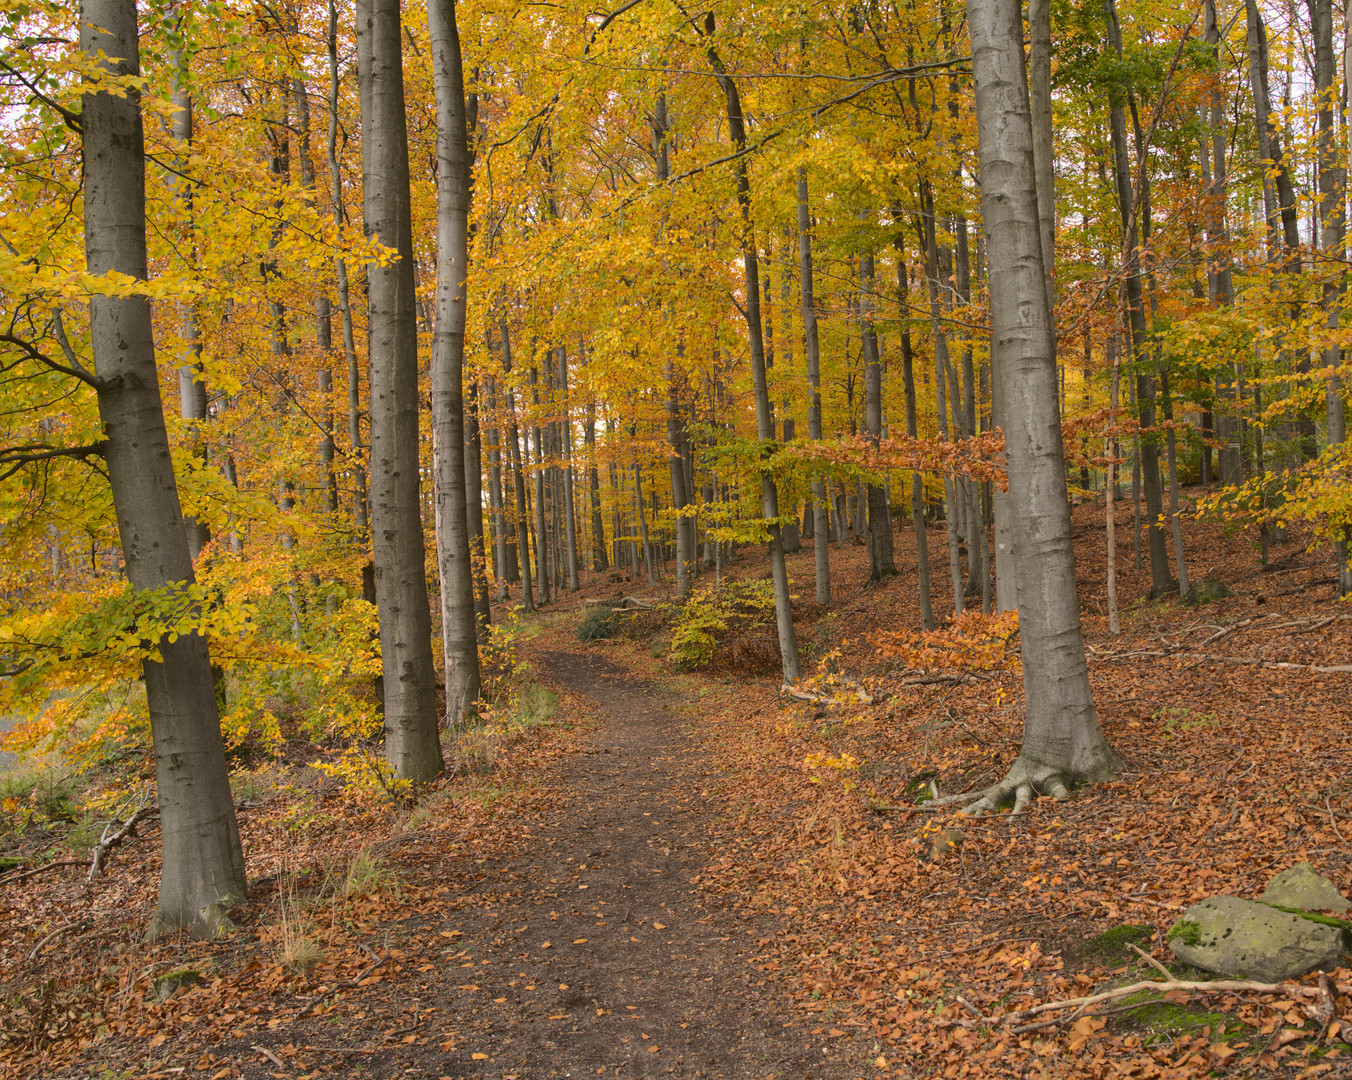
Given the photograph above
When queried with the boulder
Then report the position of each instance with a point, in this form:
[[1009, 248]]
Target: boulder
[[1246, 939], [1302, 887]]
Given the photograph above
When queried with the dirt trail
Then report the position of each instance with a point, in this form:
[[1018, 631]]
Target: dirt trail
[[640, 977]]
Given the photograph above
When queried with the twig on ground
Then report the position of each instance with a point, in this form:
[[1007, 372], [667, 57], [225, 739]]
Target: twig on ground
[[12, 877], [33, 952], [347, 984], [1333, 820], [1151, 961], [269, 1055]]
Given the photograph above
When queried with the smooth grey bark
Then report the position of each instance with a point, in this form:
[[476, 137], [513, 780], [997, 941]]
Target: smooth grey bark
[[459, 620], [360, 518], [917, 480], [978, 578], [880, 557], [1062, 742], [821, 533], [765, 431], [202, 871], [1044, 160], [412, 740]]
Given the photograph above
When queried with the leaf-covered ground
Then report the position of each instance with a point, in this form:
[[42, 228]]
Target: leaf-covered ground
[[683, 874]]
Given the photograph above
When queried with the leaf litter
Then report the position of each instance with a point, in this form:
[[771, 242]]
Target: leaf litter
[[698, 877]]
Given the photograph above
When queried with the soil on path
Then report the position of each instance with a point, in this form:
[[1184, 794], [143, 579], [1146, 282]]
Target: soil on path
[[590, 949], [602, 957]]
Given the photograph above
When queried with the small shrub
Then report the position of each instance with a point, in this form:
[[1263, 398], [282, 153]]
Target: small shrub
[[597, 624], [709, 616]]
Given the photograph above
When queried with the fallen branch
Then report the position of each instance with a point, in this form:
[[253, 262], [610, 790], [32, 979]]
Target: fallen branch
[[77, 925], [8, 878], [821, 697], [1167, 986], [110, 839]]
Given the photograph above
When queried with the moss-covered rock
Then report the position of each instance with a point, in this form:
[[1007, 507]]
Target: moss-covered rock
[[1246, 939]]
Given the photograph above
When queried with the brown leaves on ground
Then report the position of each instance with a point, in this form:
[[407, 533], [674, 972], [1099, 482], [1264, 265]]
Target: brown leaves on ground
[[1235, 769]]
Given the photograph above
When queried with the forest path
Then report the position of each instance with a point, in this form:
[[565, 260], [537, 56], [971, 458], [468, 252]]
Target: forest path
[[599, 956]]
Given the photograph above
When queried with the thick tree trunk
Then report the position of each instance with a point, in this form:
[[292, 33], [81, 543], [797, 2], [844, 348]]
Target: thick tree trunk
[[459, 621], [202, 872], [788, 643], [1062, 741], [412, 742]]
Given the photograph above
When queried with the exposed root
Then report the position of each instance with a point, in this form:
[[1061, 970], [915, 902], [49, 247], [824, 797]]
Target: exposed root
[[1019, 787]]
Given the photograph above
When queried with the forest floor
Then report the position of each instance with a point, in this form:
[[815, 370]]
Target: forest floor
[[687, 874]]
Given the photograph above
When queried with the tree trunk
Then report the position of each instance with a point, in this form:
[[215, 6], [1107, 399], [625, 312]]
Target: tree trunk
[[412, 742], [459, 621], [1161, 582], [917, 478], [543, 584], [1332, 226], [1062, 741], [192, 379], [356, 459], [788, 643], [880, 558], [519, 483], [821, 533], [202, 872]]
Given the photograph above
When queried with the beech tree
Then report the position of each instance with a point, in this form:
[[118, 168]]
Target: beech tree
[[459, 628], [1062, 741], [202, 871], [412, 744]]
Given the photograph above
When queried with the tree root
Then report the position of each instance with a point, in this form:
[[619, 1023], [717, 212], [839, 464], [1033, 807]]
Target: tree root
[[1019, 786]]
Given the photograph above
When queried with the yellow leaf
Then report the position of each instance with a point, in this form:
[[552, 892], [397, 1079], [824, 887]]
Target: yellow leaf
[[479, 1057]]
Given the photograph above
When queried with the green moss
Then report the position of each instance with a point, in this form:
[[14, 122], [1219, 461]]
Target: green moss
[[1118, 938], [1165, 1019], [1323, 920], [1185, 930]]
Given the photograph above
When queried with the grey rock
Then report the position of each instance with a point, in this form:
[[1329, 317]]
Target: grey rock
[[1245, 939], [1303, 887]]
